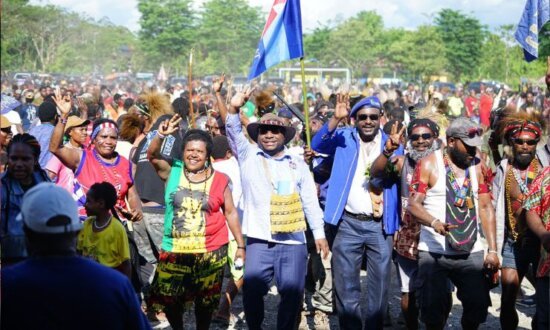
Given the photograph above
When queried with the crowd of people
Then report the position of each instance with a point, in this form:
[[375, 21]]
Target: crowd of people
[[122, 206]]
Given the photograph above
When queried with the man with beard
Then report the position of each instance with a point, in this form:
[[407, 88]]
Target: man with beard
[[449, 194], [422, 135], [364, 226], [518, 245]]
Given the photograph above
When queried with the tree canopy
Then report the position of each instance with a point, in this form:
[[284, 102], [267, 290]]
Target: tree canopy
[[225, 33]]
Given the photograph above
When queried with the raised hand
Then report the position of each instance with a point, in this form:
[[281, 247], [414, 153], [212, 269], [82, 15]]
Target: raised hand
[[62, 104], [169, 126], [342, 106], [393, 141], [240, 98], [218, 83]]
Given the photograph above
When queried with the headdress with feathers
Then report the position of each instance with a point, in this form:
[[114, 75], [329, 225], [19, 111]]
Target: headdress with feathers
[[264, 101], [157, 104], [514, 123]]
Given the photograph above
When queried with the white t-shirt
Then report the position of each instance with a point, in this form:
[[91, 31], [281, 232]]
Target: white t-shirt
[[230, 167]]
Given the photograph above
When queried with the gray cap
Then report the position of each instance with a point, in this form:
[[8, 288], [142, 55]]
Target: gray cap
[[466, 130]]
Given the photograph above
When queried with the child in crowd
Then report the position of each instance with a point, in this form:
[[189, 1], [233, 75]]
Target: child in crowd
[[103, 237]]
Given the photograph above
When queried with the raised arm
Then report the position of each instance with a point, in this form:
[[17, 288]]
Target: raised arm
[[324, 141], [166, 128], [217, 87], [70, 157], [392, 143], [233, 127]]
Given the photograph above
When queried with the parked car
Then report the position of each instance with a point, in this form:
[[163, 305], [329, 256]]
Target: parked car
[[444, 85], [21, 77]]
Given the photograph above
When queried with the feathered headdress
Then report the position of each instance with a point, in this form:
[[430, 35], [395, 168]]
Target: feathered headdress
[[513, 124], [157, 104], [438, 118], [264, 101]]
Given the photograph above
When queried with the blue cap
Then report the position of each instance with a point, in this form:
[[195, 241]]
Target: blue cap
[[367, 102], [285, 113]]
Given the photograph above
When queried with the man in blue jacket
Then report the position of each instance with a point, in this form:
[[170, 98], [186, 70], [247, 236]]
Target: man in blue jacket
[[365, 212]]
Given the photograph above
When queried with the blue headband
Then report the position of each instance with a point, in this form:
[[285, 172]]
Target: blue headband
[[102, 126]]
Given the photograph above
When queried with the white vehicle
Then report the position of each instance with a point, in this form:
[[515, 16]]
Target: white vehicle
[[21, 77]]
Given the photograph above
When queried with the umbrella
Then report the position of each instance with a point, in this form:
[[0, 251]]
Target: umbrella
[[8, 103]]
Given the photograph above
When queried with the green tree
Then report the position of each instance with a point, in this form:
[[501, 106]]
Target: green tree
[[227, 36], [316, 42], [355, 43], [462, 37], [167, 30], [419, 53], [494, 53]]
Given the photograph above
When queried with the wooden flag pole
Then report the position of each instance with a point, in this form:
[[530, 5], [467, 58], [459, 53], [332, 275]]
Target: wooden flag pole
[[306, 107], [190, 83]]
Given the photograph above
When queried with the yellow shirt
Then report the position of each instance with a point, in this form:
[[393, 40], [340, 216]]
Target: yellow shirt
[[109, 247]]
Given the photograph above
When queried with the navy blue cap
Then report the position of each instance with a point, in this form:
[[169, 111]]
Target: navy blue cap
[[367, 102], [285, 113]]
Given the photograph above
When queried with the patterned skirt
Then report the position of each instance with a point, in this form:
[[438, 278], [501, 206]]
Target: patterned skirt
[[184, 278]]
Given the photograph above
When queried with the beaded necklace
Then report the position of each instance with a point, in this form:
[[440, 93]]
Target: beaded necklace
[[195, 209], [514, 174], [101, 227], [117, 184], [462, 194]]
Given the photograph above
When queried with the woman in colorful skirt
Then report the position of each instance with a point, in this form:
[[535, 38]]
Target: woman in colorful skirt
[[194, 246]]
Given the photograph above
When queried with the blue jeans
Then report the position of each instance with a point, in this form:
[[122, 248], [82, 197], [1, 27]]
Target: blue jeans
[[355, 240], [287, 263]]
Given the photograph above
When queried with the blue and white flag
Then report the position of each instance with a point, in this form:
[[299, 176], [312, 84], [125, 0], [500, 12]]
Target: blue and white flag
[[535, 15], [281, 39]]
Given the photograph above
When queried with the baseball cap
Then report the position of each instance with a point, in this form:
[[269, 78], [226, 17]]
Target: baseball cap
[[43, 203], [75, 121], [285, 113], [465, 130], [5, 122], [320, 117], [367, 102]]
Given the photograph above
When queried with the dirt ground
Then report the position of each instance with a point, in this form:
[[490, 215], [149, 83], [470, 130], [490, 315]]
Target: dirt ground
[[319, 320]]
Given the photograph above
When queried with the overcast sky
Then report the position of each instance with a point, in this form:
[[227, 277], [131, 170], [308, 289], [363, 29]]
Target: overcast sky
[[396, 13]]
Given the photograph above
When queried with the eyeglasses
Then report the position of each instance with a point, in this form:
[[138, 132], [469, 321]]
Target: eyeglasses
[[6, 130], [373, 117], [521, 142], [424, 136]]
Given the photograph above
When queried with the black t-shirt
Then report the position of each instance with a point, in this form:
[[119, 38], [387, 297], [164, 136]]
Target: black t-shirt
[[148, 184]]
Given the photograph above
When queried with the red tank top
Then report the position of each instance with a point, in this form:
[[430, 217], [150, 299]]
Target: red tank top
[[92, 169]]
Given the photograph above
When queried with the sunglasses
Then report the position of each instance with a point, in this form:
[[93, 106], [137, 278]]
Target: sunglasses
[[473, 132], [373, 117], [6, 130], [521, 142], [273, 129], [424, 136]]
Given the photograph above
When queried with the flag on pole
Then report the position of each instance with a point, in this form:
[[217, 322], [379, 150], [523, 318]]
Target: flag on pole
[[281, 39], [535, 15]]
